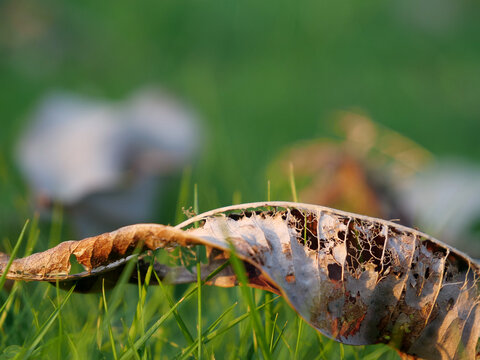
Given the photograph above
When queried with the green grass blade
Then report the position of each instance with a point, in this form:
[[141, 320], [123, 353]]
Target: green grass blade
[[273, 332], [269, 327], [299, 335], [60, 323], [255, 316], [7, 303], [208, 278], [159, 322], [293, 187], [199, 281], [219, 319], [280, 336], [211, 334], [189, 350], [110, 332], [181, 324], [232, 323], [118, 291], [3, 278], [28, 350], [144, 338]]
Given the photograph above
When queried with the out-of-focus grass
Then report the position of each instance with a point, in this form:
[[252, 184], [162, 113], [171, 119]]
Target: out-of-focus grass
[[260, 74]]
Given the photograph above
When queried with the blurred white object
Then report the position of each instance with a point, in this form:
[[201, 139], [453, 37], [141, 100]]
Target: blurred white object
[[444, 200], [104, 161]]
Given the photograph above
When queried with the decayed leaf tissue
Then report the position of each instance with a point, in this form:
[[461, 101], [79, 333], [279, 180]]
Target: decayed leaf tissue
[[357, 279]]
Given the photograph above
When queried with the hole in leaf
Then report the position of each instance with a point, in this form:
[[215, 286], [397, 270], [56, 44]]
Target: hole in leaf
[[75, 265], [334, 272]]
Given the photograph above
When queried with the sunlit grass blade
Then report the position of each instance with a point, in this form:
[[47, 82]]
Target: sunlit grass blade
[[189, 350], [144, 338], [60, 323], [6, 305], [208, 278], [325, 348], [232, 323], [199, 280], [247, 295], [28, 350], [211, 334], [293, 187], [269, 328], [3, 278], [219, 319], [280, 336], [110, 332], [181, 324], [162, 319], [299, 335], [73, 348], [273, 332], [32, 238], [136, 356], [236, 197], [118, 291], [139, 320]]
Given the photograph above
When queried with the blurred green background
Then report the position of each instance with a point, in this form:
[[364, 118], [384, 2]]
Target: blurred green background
[[261, 74]]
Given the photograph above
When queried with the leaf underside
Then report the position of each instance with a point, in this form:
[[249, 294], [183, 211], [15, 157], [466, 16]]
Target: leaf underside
[[356, 279]]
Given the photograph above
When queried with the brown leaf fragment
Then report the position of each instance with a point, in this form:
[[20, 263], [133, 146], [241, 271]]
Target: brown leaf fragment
[[95, 254]]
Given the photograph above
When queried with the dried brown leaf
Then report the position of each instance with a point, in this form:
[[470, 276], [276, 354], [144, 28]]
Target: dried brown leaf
[[357, 279]]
